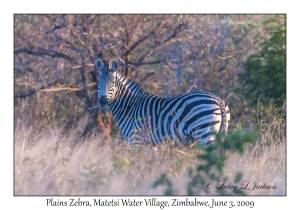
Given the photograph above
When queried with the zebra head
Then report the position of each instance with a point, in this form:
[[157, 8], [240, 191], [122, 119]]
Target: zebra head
[[106, 82]]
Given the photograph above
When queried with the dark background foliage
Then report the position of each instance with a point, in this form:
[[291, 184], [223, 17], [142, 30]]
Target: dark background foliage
[[265, 71]]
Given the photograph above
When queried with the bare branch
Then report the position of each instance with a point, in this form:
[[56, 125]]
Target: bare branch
[[145, 63], [32, 92], [43, 52], [126, 31], [147, 76], [145, 55], [83, 66], [226, 57], [151, 33], [138, 42], [55, 27], [168, 40], [71, 46], [90, 49], [55, 89], [173, 35], [192, 87]]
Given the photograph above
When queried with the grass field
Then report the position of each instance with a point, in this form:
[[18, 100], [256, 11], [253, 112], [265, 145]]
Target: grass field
[[49, 162]]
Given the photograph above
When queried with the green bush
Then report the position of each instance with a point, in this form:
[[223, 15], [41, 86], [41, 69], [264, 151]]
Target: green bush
[[265, 72]]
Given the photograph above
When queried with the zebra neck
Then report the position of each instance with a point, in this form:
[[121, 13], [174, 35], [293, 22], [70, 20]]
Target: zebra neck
[[123, 110], [130, 85], [128, 94]]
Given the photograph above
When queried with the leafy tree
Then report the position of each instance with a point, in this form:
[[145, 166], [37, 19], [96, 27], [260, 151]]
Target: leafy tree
[[265, 72]]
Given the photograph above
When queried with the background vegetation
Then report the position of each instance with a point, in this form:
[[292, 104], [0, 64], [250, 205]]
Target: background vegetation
[[241, 58]]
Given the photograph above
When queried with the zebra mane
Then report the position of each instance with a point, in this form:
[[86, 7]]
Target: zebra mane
[[132, 85]]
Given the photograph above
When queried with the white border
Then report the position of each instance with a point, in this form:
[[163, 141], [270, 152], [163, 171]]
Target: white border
[[8, 8]]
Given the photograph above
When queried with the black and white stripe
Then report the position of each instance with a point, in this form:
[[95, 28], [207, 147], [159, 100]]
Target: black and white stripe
[[144, 118]]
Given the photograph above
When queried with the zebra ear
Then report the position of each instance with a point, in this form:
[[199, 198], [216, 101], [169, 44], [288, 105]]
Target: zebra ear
[[99, 65], [114, 66]]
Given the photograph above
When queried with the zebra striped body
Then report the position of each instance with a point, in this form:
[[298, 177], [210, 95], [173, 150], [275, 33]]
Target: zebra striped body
[[144, 118]]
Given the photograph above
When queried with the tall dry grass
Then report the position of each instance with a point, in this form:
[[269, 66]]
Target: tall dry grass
[[52, 161]]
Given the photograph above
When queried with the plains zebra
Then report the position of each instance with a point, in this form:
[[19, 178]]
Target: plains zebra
[[143, 118]]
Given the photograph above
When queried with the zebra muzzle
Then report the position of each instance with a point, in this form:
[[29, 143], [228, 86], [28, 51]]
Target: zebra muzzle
[[103, 102]]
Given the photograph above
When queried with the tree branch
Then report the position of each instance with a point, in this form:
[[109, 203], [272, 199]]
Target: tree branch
[[167, 40], [90, 49], [138, 42], [126, 31], [55, 27], [25, 95], [70, 45], [54, 89], [43, 53], [151, 33], [144, 63], [147, 76]]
